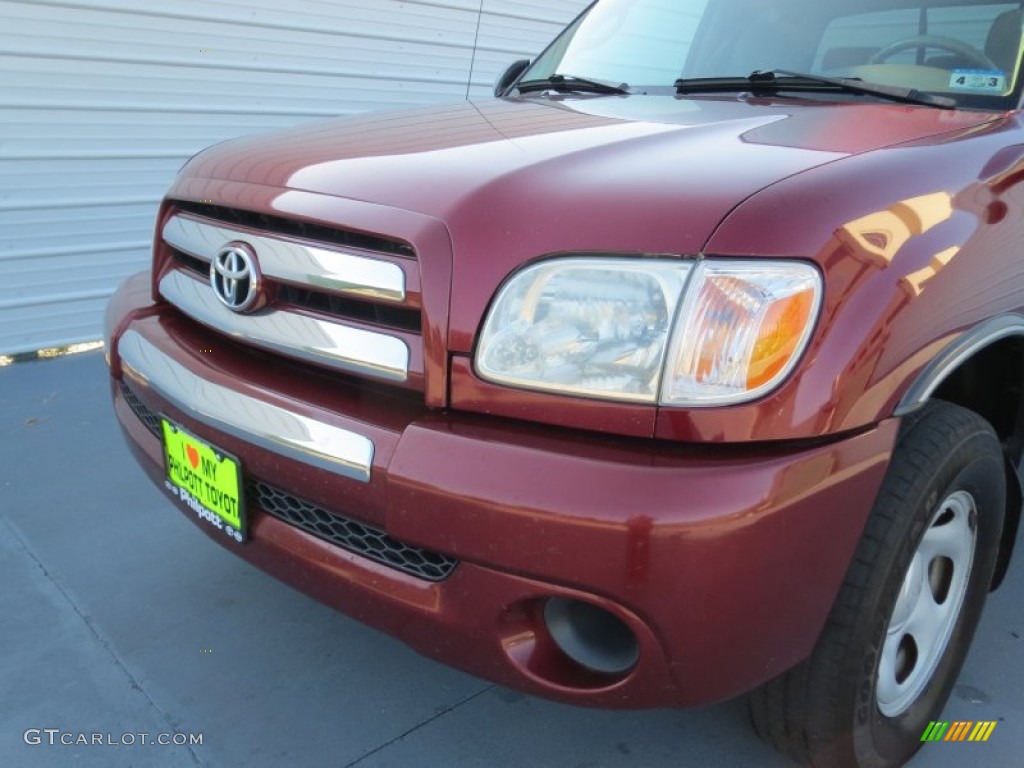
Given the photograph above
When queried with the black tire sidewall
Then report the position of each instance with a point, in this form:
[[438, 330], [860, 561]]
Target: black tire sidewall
[[879, 740]]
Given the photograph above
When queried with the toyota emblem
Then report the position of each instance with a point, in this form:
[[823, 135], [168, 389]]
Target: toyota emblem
[[235, 277]]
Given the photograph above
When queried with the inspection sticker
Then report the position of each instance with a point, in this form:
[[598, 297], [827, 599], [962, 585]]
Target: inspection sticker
[[989, 80]]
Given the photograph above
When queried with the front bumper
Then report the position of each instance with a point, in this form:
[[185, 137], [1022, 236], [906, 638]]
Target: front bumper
[[723, 561]]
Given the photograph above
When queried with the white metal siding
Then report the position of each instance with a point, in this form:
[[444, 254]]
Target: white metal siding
[[102, 101]]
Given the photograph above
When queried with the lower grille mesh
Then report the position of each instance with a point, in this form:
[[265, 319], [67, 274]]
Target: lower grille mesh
[[348, 534], [146, 416], [344, 532]]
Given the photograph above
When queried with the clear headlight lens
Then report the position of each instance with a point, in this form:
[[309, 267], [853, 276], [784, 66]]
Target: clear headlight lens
[[609, 328], [583, 326], [740, 331]]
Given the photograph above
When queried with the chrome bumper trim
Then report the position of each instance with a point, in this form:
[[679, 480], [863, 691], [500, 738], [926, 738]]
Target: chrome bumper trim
[[305, 265], [269, 426], [352, 350]]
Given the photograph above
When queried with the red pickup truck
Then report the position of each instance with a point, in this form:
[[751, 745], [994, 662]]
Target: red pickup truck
[[689, 365]]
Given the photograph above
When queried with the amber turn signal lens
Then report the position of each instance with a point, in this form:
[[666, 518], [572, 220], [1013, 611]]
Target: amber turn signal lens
[[781, 331]]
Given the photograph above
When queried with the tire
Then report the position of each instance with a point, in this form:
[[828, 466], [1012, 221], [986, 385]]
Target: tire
[[902, 623]]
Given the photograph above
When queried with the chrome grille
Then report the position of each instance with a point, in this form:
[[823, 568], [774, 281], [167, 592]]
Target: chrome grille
[[329, 302]]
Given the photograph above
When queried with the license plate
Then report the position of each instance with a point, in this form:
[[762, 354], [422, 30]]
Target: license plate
[[204, 479]]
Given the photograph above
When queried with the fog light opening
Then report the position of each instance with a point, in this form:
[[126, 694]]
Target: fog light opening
[[592, 637]]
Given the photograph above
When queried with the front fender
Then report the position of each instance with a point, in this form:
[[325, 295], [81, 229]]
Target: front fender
[[917, 245]]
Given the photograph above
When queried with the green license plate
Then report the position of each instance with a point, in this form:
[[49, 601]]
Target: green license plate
[[205, 479]]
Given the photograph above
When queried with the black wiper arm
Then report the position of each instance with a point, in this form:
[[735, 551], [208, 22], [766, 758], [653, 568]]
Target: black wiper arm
[[561, 82], [856, 85], [784, 79]]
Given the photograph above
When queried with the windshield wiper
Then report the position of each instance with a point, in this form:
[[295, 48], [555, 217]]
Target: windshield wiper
[[784, 79], [569, 83]]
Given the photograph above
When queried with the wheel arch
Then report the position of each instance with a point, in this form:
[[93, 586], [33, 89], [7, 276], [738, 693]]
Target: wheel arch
[[983, 370]]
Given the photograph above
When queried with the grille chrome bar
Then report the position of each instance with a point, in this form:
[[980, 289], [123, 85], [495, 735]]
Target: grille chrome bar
[[343, 348], [321, 268], [279, 226], [269, 426]]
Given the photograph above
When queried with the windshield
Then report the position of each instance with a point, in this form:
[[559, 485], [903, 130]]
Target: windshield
[[970, 51]]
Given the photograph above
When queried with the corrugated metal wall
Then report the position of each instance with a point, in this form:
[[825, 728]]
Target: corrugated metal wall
[[102, 101]]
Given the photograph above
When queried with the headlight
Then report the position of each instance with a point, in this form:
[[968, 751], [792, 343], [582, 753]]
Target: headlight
[[595, 327], [609, 328]]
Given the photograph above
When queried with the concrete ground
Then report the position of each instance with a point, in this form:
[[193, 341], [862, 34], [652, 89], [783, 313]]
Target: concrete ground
[[118, 617]]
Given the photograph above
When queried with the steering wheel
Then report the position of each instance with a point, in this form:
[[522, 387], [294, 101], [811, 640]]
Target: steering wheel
[[952, 45]]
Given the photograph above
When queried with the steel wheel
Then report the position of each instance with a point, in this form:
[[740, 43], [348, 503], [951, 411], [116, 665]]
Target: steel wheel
[[929, 603], [903, 620]]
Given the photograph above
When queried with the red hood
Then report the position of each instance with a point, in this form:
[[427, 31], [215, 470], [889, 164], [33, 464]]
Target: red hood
[[652, 173], [515, 180]]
